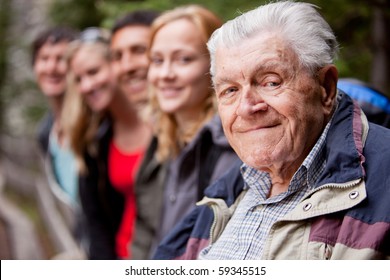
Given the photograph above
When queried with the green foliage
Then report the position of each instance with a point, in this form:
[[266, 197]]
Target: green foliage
[[76, 13], [226, 9], [350, 19], [36, 109], [35, 112]]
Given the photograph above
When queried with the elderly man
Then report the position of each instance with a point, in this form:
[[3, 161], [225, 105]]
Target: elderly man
[[314, 183]]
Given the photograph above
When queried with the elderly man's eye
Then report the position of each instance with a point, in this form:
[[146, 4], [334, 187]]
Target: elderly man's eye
[[271, 84], [227, 92]]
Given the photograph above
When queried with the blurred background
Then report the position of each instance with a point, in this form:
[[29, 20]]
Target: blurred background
[[31, 225]]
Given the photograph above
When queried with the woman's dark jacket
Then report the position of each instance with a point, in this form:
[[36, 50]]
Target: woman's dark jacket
[[102, 205]]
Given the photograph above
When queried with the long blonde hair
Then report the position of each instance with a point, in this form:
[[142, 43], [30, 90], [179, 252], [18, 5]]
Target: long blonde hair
[[170, 139], [79, 122]]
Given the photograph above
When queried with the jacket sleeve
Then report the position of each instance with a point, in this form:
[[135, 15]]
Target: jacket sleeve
[[100, 239], [192, 234], [188, 237]]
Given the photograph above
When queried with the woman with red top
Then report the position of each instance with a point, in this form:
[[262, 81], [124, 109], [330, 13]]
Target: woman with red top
[[109, 139], [120, 165]]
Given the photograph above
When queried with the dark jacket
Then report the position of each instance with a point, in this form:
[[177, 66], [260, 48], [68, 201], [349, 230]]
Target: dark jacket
[[102, 205], [43, 132], [350, 213]]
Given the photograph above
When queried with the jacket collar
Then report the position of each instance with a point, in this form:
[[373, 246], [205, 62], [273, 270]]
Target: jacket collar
[[229, 186], [344, 144]]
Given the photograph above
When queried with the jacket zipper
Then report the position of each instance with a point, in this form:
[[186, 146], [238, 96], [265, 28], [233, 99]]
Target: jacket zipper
[[212, 228], [334, 185]]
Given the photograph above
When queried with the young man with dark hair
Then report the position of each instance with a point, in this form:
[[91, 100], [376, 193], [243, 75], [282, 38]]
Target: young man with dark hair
[[48, 50], [129, 45]]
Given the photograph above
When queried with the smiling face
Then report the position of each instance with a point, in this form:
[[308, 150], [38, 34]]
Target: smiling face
[[130, 62], [179, 68], [93, 77], [50, 69], [272, 110]]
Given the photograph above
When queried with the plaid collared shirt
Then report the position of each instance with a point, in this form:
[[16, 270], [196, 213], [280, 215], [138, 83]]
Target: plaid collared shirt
[[246, 232]]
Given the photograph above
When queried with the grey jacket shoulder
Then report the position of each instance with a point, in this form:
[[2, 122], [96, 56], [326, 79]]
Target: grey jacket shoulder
[[218, 135]]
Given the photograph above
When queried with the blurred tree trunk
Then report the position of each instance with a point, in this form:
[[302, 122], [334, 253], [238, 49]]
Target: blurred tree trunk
[[18, 92], [4, 20], [380, 71]]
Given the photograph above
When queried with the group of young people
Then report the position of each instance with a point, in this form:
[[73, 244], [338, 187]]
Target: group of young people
[[133, 112], [187, 138]]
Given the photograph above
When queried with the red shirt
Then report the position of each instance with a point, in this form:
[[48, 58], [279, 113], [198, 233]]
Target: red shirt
[[122, 169]]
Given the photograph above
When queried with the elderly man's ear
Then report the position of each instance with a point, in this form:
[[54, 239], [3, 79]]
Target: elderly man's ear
[[328, 77]]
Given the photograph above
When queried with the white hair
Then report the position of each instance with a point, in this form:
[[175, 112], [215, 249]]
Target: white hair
[[298, 24]]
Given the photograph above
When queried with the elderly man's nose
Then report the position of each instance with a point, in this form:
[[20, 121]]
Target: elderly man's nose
[[250, 103]]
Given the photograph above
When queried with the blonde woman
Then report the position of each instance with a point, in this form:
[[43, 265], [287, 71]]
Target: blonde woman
[[190, 142], [109, 140]]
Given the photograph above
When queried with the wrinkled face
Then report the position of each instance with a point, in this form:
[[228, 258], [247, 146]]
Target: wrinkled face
[[50, 69], [272, 110], [179, 68], [93, 78], [130, 62]]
